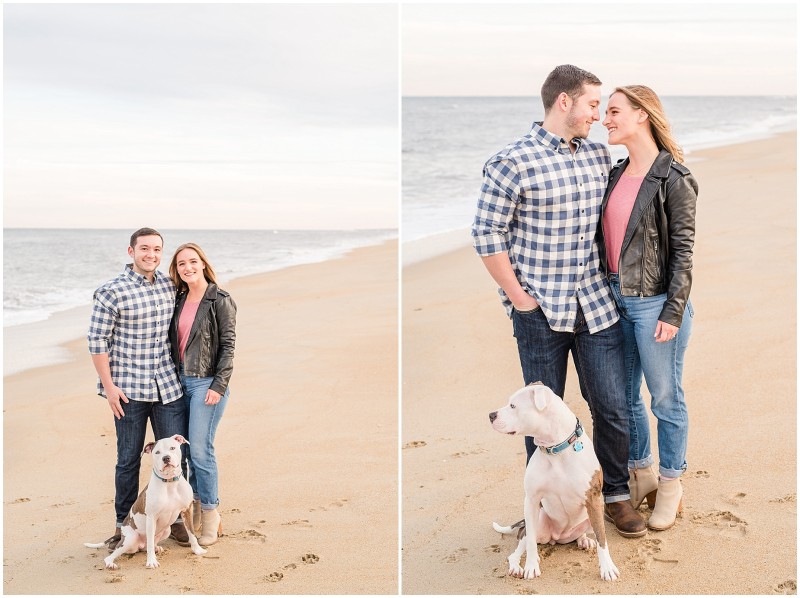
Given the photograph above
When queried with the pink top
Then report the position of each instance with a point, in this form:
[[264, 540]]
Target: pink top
[[185, 322], [616, 216]]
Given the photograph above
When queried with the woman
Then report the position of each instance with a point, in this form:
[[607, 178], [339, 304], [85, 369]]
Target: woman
[[203, 336], [646, 241]]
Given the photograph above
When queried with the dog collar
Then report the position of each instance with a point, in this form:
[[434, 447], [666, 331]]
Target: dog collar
[[175, 479], [576, 446]]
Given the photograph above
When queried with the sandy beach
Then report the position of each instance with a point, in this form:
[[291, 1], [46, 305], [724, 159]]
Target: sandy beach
[[307, 451], [737, 534]]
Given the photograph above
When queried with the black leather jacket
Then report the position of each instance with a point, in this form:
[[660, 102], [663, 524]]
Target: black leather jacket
[[209, 349], [656, 254]]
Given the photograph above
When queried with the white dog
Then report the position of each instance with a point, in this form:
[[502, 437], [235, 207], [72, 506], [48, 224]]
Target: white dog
[[166, 496], [563, 480]]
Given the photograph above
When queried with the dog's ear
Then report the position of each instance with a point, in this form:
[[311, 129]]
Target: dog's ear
[[148, 448], [180, 439], [540, 395]]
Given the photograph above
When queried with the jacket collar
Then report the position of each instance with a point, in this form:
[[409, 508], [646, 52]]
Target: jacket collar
[[209, 295], [659, 169]]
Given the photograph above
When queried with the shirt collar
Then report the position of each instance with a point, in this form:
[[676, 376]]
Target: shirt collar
[[138, 278], [556, 143]]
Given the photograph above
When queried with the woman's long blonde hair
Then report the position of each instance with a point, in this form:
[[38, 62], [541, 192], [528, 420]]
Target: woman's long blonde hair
[[208, 271], [644, 98]]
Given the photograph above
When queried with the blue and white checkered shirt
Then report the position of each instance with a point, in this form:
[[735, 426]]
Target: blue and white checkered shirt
[[541, 204], [130, 321]]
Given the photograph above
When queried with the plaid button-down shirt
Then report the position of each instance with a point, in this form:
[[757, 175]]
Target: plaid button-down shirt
[[130, 321], [541, 204]]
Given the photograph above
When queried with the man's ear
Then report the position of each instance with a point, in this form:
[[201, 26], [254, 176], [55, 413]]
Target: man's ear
[[563, 101]]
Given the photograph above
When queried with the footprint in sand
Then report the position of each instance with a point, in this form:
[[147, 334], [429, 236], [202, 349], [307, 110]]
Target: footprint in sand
[[115, 579], [298, 523], [290, 566], [466, 453], [648, 553], [791, 498], [736, 498], [248, 534], [414, 444], [19, 500], [274, 577], [723, 522], [337, 503], [700, 473], [572, 570], [493, 548], [787, 587], [452, 558], [310, 559]]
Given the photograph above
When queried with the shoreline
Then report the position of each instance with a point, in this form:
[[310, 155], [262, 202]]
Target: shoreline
[[46, 342], [739, 379]]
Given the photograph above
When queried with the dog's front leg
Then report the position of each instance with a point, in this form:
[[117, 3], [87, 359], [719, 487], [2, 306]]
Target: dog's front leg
[[150, 534], [188, 523], [532, 507], [594, 506]]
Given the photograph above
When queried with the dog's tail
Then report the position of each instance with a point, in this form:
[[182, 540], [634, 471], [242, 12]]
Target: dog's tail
[[508, 529], [98, 545]]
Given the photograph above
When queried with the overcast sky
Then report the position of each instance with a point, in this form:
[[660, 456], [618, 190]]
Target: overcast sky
[[202, 115], [677, 49]]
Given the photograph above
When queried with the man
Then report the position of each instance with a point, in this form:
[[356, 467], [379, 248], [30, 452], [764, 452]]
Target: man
[[534, 229], [128, 341]]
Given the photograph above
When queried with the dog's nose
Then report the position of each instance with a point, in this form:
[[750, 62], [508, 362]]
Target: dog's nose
[[165, 458], [493, 416]]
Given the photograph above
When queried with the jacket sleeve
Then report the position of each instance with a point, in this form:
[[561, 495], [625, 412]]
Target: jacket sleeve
[[680, 208], [226, 327]]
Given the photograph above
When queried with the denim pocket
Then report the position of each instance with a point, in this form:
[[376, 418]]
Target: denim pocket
[[528, 311], [690, 309]]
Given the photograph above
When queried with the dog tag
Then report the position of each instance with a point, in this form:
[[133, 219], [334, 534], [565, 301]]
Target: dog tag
[[578, 446]]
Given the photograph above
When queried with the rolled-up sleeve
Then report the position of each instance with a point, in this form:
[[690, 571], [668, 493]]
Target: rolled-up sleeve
[[103, 319], [496, 204]]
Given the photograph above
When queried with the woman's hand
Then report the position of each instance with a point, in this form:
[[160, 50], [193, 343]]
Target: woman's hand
[[212, 397], [665, 332]]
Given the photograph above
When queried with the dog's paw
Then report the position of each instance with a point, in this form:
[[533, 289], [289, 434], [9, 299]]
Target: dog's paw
[[159, 549], [586, 543], [199, 550], [532, 571], [111, 565], [152, 564], [609, 574], [515, 571]]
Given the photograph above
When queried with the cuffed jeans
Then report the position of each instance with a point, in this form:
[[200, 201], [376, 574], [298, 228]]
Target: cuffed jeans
[[166, 420], [203, 422], [662, 367], [598, 360]]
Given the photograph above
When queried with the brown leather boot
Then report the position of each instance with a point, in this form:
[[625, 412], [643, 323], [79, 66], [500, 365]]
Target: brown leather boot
[[626, 519], [178, 533]]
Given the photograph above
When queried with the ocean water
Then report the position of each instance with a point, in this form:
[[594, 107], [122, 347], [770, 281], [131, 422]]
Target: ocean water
[[47, 271], [446, 142]]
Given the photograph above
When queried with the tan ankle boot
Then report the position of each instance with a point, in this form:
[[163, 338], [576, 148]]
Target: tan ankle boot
[[212, 527], [643, 483], [197, 520], [670, 504]]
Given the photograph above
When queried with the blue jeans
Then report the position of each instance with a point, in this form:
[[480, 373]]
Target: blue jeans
[[203, 422], [662, 366], [598, 360], [166, 420]]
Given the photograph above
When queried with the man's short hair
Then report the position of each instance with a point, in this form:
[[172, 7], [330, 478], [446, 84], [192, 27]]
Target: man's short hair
[[568, 79], [144, 232]]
